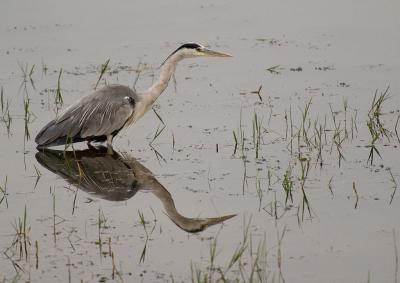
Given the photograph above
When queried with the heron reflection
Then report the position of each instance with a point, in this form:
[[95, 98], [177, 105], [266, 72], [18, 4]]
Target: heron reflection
[[116, 177]]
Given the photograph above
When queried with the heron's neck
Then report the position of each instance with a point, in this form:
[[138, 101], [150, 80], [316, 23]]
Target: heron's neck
[[185, 223], [149, 182], [167, 70], [165, 197]]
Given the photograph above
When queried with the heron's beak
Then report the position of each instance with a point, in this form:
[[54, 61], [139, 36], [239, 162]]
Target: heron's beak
[[211, 53]]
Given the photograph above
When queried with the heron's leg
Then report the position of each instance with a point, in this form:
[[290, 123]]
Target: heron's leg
[[109, 140], [109, 144], [110, 150]]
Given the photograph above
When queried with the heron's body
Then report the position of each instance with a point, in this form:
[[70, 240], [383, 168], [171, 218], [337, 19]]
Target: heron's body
[[101, 115], [83, 121]]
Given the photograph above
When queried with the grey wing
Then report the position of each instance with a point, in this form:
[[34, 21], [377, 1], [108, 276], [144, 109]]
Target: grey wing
[[104, 117], [102, 113]]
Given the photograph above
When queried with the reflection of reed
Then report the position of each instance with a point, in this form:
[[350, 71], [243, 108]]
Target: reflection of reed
[[116, 177]]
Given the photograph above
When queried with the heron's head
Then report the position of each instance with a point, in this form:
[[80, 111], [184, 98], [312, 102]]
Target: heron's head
[[192, 50]]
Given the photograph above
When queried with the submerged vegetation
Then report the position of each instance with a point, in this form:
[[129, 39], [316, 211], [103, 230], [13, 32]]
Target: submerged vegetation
[[314, 140], [250, 261]]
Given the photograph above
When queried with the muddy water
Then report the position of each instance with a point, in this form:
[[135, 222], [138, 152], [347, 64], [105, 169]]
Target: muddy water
[[337, 220]]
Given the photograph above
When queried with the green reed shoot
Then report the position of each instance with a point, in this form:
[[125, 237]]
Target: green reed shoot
[[2, 100], [158, 116], [147, 233], [279, 253], [38, 175], [355, 120], [345, 107], [259, 192], [356, 194], [213, 254], [396, 256], [236, 142], [241, 136], [142, 221], [138, 71], [27, 113], [330, 186], [213, 251], [237, 254], [69, 142], [375, 113], [240, 249], [37, 254], [286, 125], [59, 99], [160, 128], [198, 276], [173, 141], [273, 69], [374, 137], [304, 128], [304, 166], [22, 239], [143, 254], [8, 121], [114, 268], [260, 263], [5, 111], [27, 116], [337, 141], [287, 184], [257, 128], [54, 219], [244, 181], [273, 208], [26, 71], [4, 194], [291, 129], [393, 180], [374, 124], [333, 114], [158, 155], [395, 129], [103, 69], [101, 225], [376, 106], [258, 92], [318, 141]]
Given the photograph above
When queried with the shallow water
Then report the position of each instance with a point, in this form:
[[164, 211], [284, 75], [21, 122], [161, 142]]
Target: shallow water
[[340, 222]]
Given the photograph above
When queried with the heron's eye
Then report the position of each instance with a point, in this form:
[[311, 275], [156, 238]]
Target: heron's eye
[[130, 100]]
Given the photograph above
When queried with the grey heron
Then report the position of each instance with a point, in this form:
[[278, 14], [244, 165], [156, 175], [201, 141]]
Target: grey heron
[[116, 177], [99, 116]]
